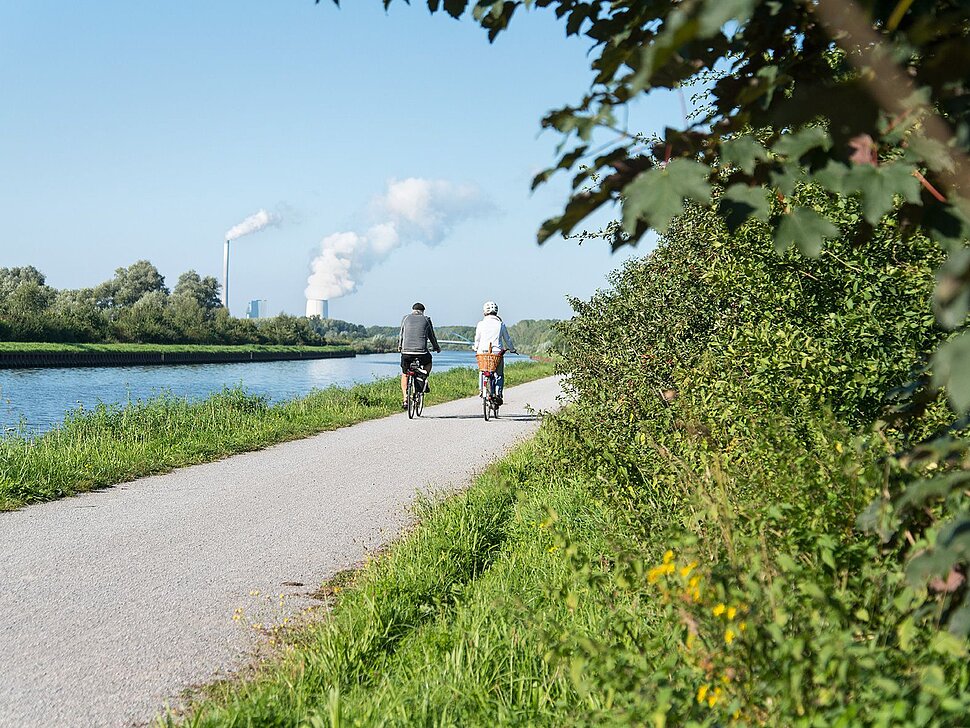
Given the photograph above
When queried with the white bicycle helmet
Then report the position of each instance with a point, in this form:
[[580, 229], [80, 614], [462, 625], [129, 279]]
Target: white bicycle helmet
[[489, 308]]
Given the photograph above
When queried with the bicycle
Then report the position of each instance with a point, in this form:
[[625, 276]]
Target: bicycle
[[417, 386], [487, 365]]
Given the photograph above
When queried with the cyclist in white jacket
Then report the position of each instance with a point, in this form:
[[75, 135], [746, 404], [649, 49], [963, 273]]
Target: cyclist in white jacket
[[491, 335]]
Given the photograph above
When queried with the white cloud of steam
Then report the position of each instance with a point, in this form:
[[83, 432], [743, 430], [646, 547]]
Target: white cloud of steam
[[253, 224], [412, 210]]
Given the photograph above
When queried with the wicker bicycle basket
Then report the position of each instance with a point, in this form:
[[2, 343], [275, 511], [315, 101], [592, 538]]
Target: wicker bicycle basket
[[488, 362]]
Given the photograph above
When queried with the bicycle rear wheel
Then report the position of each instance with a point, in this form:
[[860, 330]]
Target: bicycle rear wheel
[[411, 398], [487, 397], [419, 403]]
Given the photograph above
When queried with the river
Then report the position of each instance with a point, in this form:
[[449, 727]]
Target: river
[[38, 399]]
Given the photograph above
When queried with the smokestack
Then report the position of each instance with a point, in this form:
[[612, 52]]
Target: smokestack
[[317, 307], [225, 275]]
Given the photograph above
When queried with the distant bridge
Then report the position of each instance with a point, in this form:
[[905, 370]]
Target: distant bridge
[[459, 340]]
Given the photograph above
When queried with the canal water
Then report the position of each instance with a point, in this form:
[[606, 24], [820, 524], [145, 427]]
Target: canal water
[[38, 399]]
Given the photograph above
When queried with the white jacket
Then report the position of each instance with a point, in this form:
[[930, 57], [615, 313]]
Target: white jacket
[[491, 330]]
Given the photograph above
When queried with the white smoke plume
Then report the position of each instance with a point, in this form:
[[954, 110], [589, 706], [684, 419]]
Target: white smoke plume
[[410, 211], [253, 224]]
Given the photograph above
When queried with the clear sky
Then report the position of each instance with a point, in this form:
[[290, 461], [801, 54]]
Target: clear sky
[[133, 130]]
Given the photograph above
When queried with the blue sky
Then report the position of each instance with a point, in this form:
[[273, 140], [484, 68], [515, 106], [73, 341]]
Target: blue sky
[[144, 130]]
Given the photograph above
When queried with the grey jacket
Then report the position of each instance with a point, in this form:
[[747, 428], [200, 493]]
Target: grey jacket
[[416, 331]]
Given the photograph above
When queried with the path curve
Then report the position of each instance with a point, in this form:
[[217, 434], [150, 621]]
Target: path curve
[[113, 602]]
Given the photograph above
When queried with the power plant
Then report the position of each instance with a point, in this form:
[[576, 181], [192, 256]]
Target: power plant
[[257, 308], [317, 307]]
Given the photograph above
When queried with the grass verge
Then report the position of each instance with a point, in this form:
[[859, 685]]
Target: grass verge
[[441, 629], [113, 444]]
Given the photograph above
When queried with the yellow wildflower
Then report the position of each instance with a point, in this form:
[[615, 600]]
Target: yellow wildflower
[[742, 626], [668, 556], [690, 640], [685, 570], [731, 612], [729, 635], [719, 609], [657, 571], [713, 697], [701, 693]]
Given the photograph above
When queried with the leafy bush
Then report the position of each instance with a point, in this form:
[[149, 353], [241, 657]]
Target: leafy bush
[[727, 397]]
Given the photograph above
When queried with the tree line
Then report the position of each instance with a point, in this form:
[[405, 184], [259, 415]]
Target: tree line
[[531, 336], [135, 306]]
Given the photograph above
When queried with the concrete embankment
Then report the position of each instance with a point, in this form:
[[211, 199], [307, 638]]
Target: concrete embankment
[[42, 359]]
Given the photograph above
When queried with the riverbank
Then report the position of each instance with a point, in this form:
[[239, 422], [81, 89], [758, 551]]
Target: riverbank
[[108, 445], [17, 355]]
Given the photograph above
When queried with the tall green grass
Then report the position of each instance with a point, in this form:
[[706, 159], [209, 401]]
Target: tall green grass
[[447, 627], [112, 444]]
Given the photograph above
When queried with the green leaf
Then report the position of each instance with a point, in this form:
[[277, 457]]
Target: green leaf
[[951, 369], [743, 152], [455, 8], [947, 225], [922, 491], [950, 645], [906, 632], [879, 187], [952, 295], [804, 228], [657, 195], [959, 623], [831, 176], [786, 178], [930, 564], [933, 153], [796, 145], [716, 13], [740, 203]]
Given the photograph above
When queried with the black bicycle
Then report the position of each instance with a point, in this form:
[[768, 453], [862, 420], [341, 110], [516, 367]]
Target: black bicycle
[[417, 386]]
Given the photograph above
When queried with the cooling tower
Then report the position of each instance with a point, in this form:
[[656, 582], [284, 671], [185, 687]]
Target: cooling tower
[[316, 307]]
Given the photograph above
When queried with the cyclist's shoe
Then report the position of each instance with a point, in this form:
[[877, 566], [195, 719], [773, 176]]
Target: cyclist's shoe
[[498, 401], [404, 404], [427, 388]]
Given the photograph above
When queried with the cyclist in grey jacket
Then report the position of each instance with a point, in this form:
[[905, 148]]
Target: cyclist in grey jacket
[[416, 332]]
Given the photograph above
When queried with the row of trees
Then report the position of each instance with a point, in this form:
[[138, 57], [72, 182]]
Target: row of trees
[[135, 306], [531, 336]]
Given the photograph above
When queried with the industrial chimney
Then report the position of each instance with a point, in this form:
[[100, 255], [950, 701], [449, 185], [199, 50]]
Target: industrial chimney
[[225, 275], [317, 307]]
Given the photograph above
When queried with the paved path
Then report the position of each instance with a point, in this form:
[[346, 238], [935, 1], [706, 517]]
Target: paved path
[[113, 602]]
